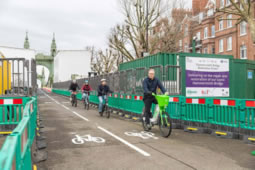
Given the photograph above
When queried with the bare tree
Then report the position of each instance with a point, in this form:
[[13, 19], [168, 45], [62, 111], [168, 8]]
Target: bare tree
[[245, 10], [168, 30], [103, 62], [130, 38]]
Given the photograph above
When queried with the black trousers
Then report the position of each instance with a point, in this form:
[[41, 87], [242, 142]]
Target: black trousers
[[148, 100]]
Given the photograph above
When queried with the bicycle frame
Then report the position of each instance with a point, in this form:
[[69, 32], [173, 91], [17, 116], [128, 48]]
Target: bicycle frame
[[158, 111]]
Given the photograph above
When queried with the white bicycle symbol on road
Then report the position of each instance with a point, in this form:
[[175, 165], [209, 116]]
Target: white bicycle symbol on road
[[142, 134], [78, 140]]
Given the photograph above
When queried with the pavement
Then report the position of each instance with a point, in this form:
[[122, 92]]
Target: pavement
[[78, 139]]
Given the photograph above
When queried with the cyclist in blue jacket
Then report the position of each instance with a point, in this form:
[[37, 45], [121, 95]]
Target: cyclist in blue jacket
[[150, 85]]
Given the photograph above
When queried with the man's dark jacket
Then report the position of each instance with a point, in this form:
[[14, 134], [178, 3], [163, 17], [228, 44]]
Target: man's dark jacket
[[150, 86], [103, 90]]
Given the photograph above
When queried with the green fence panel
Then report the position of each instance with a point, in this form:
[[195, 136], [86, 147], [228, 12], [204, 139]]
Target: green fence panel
[[122, 104], [129, 103], [224, 112], [247, 114], [16, 150], [137, 106], [11, 109], [114, 102], [195, 110], [174, 108]]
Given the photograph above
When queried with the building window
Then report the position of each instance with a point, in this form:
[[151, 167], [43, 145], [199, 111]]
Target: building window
[[229, 21], [198, 36], [221, 24], [205, 32], [229, 43], [222, 3], [213, 31], [228, 3], [221, 46], [243, 52], [213, 50], [210, 12], [206, 50], [243, 28]]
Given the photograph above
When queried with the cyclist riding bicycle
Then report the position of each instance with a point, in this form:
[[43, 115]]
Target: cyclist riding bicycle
[[74, 87], [85, 90], [150, 85], [103, 90]]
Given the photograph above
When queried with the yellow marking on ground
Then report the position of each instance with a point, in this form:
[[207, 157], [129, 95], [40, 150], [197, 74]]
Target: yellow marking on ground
[[190, 128], [221, 133], [34, 167], [5, 133], [251, 139]]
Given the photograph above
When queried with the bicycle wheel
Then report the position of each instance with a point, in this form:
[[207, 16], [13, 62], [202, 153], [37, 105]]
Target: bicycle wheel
[[87, 104], [143, 120], [165, 125], [108, 113]]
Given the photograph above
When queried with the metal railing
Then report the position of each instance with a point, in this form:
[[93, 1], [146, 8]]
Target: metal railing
[[17, 77], [130, 81]]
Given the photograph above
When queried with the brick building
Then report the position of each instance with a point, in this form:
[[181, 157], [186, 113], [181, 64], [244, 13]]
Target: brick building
[[216, 36]]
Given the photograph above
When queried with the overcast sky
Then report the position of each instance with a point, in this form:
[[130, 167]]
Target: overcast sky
[[76, 23]]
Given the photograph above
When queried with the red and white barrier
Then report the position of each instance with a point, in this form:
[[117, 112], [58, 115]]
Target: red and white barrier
[[128, 97], [224, 102], [115, 96], [173, 99], [121, 96], [47, 89], [11, 101], [195, 101], [138, 97], [250, 103]]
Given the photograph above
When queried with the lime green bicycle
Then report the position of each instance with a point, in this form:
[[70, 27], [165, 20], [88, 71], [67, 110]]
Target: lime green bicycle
[[160, 116]]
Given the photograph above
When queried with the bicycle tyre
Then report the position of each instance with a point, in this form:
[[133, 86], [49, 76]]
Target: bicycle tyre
[[108, 113], [143, 120], [165, 128]]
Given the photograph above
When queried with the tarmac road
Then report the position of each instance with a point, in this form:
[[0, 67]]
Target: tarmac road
[[114, 149]]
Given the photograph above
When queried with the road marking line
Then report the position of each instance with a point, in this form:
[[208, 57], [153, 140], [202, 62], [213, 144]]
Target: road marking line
[[65, 107], [77, 114], [125, 142]]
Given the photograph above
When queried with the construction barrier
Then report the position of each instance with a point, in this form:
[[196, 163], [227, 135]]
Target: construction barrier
[[16, 150], [218, 115]]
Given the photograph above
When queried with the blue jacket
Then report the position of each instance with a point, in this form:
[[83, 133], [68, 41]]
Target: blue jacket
[[152, 85]]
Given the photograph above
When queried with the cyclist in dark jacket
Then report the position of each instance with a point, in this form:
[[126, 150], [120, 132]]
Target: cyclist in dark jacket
[[150, 85], [74, 86], [102, 91]]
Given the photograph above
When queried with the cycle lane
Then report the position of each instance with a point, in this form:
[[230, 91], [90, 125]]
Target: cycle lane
[[61, 126], [199, 151]]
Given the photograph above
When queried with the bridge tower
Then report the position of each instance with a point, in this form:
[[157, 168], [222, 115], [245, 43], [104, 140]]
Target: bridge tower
[[26, 43]]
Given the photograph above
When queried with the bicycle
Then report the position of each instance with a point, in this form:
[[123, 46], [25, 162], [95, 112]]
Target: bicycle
[[86, 100], [160, 116], [105, 108], [74, 98]]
